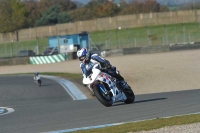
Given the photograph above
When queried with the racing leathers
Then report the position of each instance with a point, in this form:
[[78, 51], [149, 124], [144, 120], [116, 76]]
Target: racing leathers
[[95, 61]]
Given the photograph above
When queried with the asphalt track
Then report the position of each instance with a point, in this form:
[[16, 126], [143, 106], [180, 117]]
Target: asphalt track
[[50, 108]]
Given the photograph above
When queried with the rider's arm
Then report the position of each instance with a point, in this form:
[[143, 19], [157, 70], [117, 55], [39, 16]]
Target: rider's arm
[[103, 62], [88, 71], [84, 70]]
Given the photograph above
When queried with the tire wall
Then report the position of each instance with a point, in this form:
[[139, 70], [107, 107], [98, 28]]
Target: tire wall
[[150, 49]]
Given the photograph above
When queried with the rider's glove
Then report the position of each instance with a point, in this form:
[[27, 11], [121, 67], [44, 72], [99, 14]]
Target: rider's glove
[[108, 66]]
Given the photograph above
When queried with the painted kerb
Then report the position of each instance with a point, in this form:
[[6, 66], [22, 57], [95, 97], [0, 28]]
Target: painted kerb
[[48, 59]]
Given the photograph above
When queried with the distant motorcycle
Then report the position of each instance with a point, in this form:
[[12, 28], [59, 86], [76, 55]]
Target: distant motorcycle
[[38, 80], [105, 89]]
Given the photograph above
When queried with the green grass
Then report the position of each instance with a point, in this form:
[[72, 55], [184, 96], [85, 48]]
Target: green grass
[[146, 125], [12, 49], [57, 74], [64, 75], [152, 35]]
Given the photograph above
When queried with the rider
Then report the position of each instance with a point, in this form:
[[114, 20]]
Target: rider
[[36, 75], [89, 60]]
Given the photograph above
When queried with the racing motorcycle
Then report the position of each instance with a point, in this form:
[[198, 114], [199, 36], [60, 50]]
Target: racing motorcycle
[[106, 90], [38, 80]]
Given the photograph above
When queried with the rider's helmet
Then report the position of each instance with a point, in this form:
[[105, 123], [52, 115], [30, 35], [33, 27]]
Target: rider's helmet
[[37, 73], [81, 53]]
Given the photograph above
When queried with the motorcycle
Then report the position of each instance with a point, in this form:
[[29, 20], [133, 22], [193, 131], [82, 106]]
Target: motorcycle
[[38, 80], [106, 90]]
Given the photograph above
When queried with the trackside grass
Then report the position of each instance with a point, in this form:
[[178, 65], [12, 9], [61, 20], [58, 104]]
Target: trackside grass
[[146, 125], [64, 75]]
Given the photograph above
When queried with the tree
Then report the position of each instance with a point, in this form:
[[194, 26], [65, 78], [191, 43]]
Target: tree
[[50, 17], [94, 3], [33, 12], [12, 15], [123, 4], [109, 9], [133, 8], [164, 9], [65, 5], [63, 17], [151, 6], [43, 5], [144, 6], [81, 14], [53, 16]]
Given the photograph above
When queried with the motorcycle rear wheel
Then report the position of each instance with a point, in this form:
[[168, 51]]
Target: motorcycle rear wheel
[[106, 100]]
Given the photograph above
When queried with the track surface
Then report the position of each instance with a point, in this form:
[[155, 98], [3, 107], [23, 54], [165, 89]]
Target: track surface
[[50, 108]]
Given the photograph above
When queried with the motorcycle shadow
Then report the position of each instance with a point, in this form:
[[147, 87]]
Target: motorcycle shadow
[[43, 85], [140, 101]]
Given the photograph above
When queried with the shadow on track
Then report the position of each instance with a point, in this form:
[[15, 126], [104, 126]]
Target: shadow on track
[[142, 101], [150, 100], [46, 85]]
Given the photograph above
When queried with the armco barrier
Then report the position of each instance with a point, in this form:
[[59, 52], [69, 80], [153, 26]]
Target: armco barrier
[[155, 49], [150, 49], [184, 47], [135, 50], [14, 61], [48, 59], [114, 52]]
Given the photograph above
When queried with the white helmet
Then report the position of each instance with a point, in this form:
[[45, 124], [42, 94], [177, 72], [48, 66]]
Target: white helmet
[[81, 53]]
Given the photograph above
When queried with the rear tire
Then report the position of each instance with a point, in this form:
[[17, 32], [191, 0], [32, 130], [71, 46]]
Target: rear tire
[[105, 100], [129, 94]]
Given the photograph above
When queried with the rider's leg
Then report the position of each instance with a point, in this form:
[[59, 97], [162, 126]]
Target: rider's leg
[[121, 83]]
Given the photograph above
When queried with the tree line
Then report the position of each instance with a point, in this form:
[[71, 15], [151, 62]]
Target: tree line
[[18, 14]]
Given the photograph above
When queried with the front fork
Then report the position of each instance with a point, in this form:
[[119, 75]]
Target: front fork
[[115, 94]]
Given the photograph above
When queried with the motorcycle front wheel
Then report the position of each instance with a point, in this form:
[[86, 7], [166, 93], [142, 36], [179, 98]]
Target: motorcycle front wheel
[[39, 82], [105, 99], [129, 94]]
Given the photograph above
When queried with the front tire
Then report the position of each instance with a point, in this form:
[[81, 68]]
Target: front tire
[[106, 100], [39, 82], [129, 94]]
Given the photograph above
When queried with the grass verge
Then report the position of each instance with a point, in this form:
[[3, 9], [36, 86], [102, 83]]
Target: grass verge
[[63, 75], [147, 125]]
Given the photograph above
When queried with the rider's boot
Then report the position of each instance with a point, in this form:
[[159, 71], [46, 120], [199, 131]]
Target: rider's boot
[[122, 84]]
